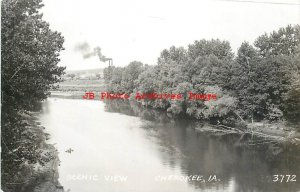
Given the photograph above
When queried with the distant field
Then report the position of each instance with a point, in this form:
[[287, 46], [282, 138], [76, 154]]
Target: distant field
[[90, 71], [82, 85]]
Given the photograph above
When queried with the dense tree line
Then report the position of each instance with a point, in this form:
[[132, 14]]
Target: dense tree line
[[29, 57], [259, 82]]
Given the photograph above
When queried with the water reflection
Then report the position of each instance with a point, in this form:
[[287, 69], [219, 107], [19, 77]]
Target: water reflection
[[244, 167], [121, 138]]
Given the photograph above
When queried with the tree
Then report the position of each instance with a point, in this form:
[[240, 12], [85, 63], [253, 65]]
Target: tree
[[277, 53], [175, 54], [292, 96], [224, 106], [147, 82], [256, 84], [262, 77], [292, 101], [29, 52], [216, 47], [29, 58], [107, 74], [281, 42], [245, 80], [130, 74]]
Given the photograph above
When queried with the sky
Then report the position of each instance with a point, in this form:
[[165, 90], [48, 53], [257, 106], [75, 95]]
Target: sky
[[138, 30]]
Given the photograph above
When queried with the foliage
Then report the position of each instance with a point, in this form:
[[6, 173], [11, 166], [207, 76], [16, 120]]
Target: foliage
[[256, 84], [292, 101], [218, 48], [29, 58], [122, 80], [130, 74], [147, 82], [281, 42], [291, 108], [29, 52], [223, 106]]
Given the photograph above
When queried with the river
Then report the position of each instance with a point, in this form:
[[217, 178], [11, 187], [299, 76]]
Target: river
[[120, 149]]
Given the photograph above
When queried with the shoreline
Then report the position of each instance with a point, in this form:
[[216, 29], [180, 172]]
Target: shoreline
[[45, 178], [276, 131], [267, 134]]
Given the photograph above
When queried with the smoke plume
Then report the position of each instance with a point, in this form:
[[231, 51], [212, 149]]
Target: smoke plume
[[86, 51], [82, 47]]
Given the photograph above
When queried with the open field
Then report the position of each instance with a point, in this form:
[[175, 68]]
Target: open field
[[83, 85], [75, 89]]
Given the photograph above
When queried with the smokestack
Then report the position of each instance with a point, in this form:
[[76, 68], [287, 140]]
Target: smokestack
[[97, 51], [85, 49]]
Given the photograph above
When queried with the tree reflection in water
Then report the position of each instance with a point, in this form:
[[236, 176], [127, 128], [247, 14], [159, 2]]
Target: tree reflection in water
[[246, 164]]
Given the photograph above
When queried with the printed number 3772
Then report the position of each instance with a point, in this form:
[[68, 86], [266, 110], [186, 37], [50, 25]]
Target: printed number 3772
[[284, 178]]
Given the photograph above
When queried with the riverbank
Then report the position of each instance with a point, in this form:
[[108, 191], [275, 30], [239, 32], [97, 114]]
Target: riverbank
[[264, 131], [44, 174]]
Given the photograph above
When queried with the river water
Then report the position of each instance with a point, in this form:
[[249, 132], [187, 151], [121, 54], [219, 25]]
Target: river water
[[118, 148]]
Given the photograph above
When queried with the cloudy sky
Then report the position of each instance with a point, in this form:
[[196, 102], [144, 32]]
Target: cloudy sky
[[128, 30]]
